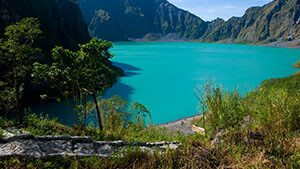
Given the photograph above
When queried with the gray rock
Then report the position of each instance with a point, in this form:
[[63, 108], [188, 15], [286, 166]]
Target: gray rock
[[105, 149], [57, 137], [27, 145], [81, 139], [17, 137], [217, 141]]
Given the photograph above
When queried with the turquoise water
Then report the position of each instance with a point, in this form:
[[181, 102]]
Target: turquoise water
[[163, 75]]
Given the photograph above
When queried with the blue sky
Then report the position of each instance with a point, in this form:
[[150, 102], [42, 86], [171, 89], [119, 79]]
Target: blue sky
[[211, 9]]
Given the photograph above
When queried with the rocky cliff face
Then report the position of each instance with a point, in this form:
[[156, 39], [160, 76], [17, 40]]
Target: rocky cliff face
[[61, 20], [119, 20], [278, 20]]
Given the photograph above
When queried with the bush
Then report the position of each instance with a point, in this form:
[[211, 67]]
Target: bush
[[43, 125], [221, 109], [276, 114]]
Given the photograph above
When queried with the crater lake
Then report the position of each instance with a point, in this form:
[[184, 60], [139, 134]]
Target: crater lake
[[163, 75]]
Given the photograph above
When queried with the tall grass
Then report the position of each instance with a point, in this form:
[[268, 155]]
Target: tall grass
[[265, 121], [276, 115], [221, 109]]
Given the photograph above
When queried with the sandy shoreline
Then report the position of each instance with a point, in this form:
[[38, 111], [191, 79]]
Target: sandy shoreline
[[277, 44], [288, 44]]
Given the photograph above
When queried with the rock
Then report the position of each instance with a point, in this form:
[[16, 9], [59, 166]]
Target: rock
[[17, 137], [105, 149], [8, 134], [81, 139], [140, 144], [218, 133], [84, 148], [27, 145], [56, 146], [49, 138], [173, 146], [217, 141], [198, 130]]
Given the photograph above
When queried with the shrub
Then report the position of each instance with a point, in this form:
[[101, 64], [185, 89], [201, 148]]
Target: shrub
[[220, 109]]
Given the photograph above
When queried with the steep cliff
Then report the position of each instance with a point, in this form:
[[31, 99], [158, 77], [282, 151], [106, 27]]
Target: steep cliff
[[119, 20], [276, 21], [61, 20]]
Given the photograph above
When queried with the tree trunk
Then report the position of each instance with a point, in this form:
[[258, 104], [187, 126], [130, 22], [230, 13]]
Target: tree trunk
[[17, 88], [85, 111], [98, 111], [19, 111]]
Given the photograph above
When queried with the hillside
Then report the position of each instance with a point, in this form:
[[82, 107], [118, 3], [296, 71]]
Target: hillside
[[120, 20], [62, 25], [61, 20], [276, 21]]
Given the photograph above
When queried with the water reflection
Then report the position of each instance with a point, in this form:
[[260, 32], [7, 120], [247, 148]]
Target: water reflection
[[61, 111]]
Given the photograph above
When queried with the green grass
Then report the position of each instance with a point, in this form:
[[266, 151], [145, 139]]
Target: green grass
[[291, 83], [1, 133], [43, 125], [272, 111]]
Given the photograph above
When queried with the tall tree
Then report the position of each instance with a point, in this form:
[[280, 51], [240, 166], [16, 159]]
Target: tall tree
[[17, 53], [97, 75], [79, 74]]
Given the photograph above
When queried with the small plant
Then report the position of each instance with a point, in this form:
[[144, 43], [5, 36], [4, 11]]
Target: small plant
[[1, 133]]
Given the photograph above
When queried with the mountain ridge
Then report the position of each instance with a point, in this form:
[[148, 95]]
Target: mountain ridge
[[133, 19], [154, 20], [61, 21]]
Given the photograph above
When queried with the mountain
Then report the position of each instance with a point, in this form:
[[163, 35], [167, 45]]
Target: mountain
[[120, 20], [276, 21], [61, 20], [62, 25]]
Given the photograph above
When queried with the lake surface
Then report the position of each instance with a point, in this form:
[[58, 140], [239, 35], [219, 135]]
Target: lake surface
[[163, 75]]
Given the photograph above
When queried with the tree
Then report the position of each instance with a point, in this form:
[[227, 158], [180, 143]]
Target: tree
[[17, 53], [140, 113], [79, 74], [97, 74]]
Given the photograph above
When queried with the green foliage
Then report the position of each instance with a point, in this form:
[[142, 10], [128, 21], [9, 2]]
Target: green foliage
[[140, 113], [120, 123], [291, 84], [276, 114], [43, 125], [272, 112], [221, 109], [80, 74], [17, 54], [1, 133], [7, 99], [61, 22], [116, 118]]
